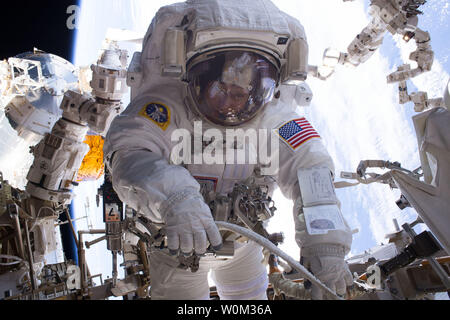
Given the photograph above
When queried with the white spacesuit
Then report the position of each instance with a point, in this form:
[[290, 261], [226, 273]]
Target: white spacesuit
[[229, 64]]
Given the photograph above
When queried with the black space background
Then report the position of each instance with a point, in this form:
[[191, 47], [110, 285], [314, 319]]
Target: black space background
[[25, 24]]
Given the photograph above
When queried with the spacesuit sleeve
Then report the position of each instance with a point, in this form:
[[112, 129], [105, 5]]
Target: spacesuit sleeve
[[137, 152], [295, 155]]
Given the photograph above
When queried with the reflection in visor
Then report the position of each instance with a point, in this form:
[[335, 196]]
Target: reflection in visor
[[230, 88], [230, 100]]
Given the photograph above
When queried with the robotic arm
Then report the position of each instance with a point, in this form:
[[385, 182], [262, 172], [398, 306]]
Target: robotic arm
[[59, 155], [397, 17], [60, 152]]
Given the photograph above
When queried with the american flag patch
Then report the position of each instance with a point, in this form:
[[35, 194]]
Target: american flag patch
[[297, 132]]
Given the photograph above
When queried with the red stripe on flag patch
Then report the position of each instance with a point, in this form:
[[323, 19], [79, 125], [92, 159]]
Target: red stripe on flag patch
[[296, 132]]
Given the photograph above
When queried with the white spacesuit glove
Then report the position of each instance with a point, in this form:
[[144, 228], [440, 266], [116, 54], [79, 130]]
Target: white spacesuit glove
[[168, 195], [329, 266], [189, 224]]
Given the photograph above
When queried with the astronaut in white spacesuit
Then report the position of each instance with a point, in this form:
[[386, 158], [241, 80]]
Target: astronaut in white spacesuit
[[229, 64]]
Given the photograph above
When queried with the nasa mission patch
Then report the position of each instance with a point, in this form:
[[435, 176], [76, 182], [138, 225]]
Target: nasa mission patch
[[158, 113]]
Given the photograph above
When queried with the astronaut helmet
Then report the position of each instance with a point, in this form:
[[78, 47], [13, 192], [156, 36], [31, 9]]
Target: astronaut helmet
[[231, 59], [230, 87]]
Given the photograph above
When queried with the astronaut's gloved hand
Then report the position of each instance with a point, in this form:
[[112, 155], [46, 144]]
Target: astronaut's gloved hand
[[327, 263], [189, 224]]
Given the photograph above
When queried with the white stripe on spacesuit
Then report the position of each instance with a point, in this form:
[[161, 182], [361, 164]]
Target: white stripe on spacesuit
[[240, 291]]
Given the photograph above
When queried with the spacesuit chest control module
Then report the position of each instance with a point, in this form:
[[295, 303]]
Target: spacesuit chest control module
[[216, 75]]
